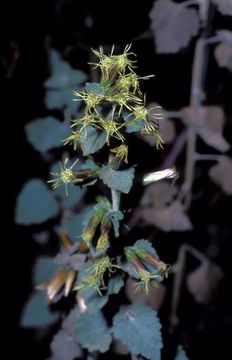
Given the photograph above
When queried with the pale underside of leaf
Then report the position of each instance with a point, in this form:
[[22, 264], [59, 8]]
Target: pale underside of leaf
[[173, 25]]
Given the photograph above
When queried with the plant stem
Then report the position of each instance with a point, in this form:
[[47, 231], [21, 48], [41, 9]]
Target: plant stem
[[115, 199], [179, 276], [207, 157]]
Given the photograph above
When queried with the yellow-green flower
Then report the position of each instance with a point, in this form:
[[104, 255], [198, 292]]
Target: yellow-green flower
[[121, 153], [111, 65]]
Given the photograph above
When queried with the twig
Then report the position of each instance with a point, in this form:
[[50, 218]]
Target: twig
[[176, 150], [207, 157], [178, 280], [196, 99]]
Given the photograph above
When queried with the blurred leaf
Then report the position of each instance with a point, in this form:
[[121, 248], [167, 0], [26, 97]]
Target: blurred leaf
[[69, 322], [224, 6], [115, 284], [225, 36], [169, 218], [138, 327], [46, 133], [74, 225], [93, 300], [221, 174], [92, 140], [75, 194], [173, 25], [158, 195], [36, 312], [92, 332], [44, 269], [35, 203], [180, 353], [60, 86], [59, 99], [209, 123], [154, 298], [41, 237], [63, 75], [202, 283], [223, 56], [63, 346], [120, 180], [116, 216]]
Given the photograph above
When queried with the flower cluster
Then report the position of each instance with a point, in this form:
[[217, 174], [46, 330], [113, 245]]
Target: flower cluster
[[115, 105], [95, 274], [140, 260]]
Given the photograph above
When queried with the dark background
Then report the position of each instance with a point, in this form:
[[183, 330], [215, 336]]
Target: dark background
[[27, 27]]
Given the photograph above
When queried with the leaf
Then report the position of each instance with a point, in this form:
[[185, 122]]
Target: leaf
[[154, 298], [223, 56], [221, 174], [35, 203], [46, 133], [120, 180], [92, 140], [116, 216], [74, 225], [64, 79], [169, 218], [115, 284], [180, 353], [158, 195], [224, 6], [225, 36], [59, 99], [209, 123], [36, 312], [44, 269], [202, 283], [63, 75], [93, 300], [137, 326], [69, 322], [63, 346], [95, 88], [42, 237], [75, 194], [173, 25], [92, 332]]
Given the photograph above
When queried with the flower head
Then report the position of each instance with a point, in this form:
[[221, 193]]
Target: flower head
[[111, 65], [121, 153], [69, 176], [95, 279]]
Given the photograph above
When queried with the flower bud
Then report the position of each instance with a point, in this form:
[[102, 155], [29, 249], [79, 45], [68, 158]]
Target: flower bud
[[70, 278]]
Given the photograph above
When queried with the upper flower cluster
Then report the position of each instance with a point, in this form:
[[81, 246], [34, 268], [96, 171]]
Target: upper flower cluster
[[116, 105]]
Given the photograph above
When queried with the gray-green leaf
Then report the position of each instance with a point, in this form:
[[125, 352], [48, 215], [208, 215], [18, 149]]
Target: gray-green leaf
[[138, 327], [44, 269], [120, 180], [92, 332], [36, 312], [35, 203], [180, 353], [46, 133], [115, 284], [92, 140]]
